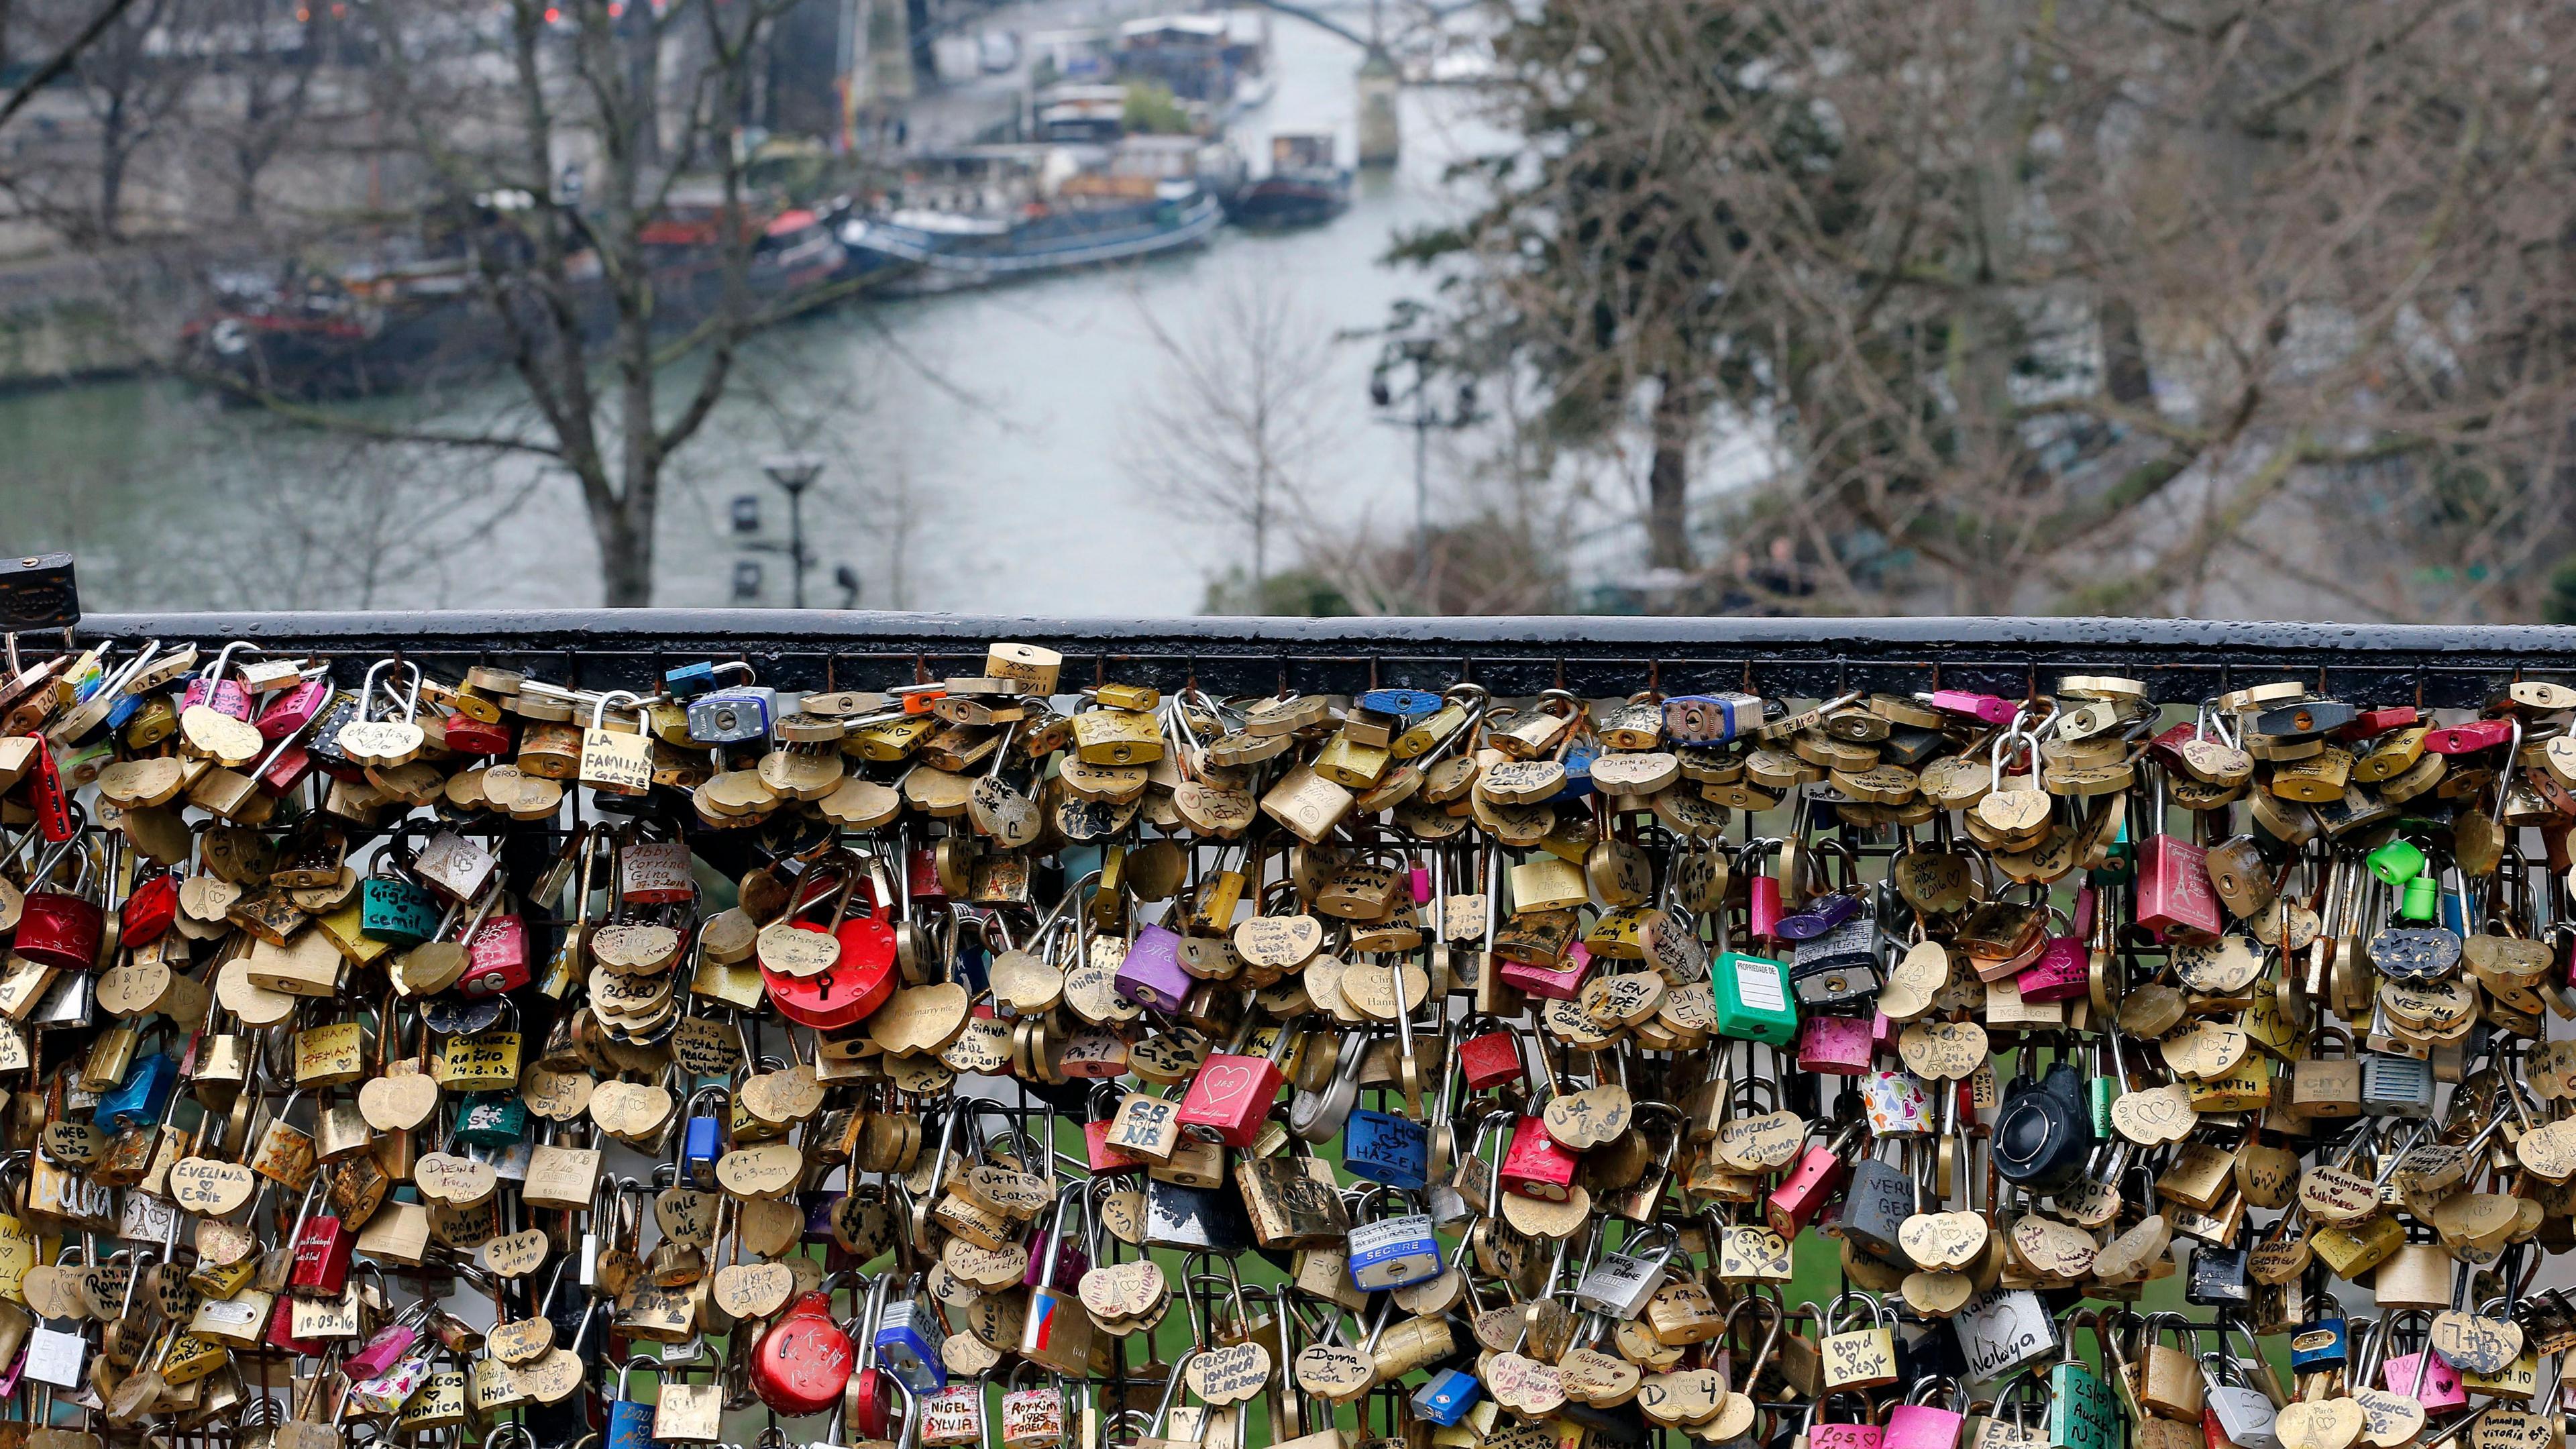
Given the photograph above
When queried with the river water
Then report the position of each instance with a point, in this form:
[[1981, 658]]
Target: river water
[[980, 446]]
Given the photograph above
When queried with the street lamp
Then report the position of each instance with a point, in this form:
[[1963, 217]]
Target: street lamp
[[1423, 355], [794, 472]]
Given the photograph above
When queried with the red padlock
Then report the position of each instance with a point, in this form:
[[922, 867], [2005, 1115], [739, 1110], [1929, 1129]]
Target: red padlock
[[57, 928], [801, 1365], [1535, 1164], [45, 796], [281, 1330], [322, 1249], [1489, 1054], [496, 957], [467, 735], [2468, 739], [1819, 1174], [148, 912], [286, 770], [1233, 1092], [1104, 1158], [859, 980]]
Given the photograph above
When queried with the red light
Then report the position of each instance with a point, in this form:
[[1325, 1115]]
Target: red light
[[553, 16], [302, 15]]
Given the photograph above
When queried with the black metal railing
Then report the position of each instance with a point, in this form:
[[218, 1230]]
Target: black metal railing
[[2181, 660]]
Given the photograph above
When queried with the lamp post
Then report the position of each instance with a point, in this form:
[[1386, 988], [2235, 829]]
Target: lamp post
[[795, 472]]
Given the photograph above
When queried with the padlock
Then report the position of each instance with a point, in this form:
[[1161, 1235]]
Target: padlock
[[1810, 1183], [1384, 1148], [2395, 1086], [1057, 1331], [1822, 1432], [2322, 1086], [2044, 1131], [1446, 1396], [734, 715], [1394, 1252], [1619, 1285], [1488, 1054], [1151, 975], [2169, 1382], [2321, 1343], [1535, 1164], [2242, 1411], [1230, 1095], [1856, 1356], [62, 929], [1920, 1423]]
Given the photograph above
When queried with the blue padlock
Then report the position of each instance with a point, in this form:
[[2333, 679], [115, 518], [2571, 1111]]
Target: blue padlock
[[732, 716], [142, 1097], [906, 1348], [1578, 774], [1386, 1148], [1395, 1253], [1405, 704], [688, 681], [2320, 1344], [1447, 1398], [702, 1142], [630, 1424], [492, 1119]]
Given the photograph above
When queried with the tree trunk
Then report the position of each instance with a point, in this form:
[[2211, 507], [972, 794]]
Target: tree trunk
[[1668, 544], [625, 558], [2124, 355]]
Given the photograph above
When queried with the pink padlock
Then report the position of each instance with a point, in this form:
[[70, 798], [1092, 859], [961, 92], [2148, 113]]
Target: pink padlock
[[2423, 1377], [1763, 897], [2063, 971], [1562, 981], [1421, 886], [1992, 709], [381, 1352], [1863, 1435], [1916, 1424], [1839, 1046], [2173, 887], [293, 709]]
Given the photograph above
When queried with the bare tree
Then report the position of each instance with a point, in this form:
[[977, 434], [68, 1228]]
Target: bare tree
[[599, 143], [269, 64], [2129, 305], [1236, 418], [132, 72]]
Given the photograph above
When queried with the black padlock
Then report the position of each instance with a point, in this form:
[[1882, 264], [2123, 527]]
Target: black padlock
[[2217, 1277], [1935, 1353], [2044, 1132]]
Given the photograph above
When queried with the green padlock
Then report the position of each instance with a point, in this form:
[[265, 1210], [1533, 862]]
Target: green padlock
[[1753, 1000]]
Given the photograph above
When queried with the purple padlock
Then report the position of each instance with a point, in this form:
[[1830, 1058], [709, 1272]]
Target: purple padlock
[[1820, 915], [1152, 975], [293, 709], [818, 1203], [1071, 1262]]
